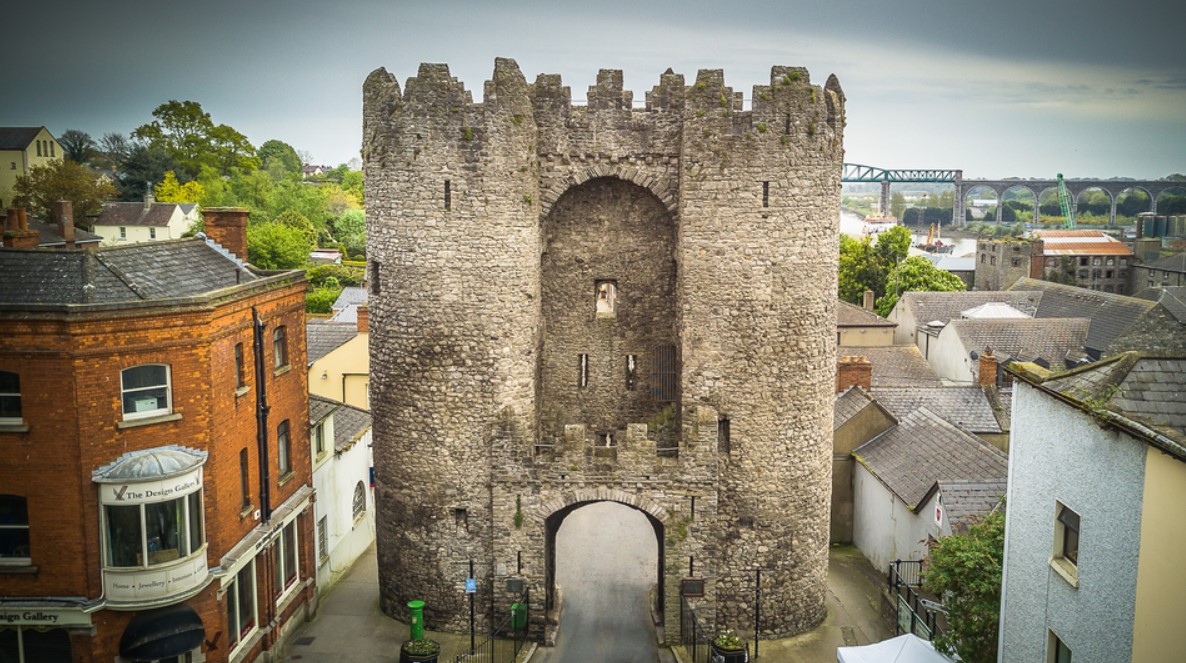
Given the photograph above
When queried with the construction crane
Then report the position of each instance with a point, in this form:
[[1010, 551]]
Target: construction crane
[[1064, 202]]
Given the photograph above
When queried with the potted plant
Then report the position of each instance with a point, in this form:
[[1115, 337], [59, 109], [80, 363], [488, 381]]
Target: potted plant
[[420, 651], [727, 647]]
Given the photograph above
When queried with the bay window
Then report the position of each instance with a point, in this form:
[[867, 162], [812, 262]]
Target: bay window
[[145, 535]]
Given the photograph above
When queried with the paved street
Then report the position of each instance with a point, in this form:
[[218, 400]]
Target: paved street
[[606, 557]]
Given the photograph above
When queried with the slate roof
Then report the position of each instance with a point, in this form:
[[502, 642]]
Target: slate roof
[[47, 235], [1174, 263], [994, 310], [1023, 339], [848, 315], [894, 365], [966, 407], [324, 336], [848, 404], [350, 295], [134, 214], [945, 306], [117, 274], [965, 502], [924, 449], [350, 423], [1111, 315], [17, 138], [1143, 388]]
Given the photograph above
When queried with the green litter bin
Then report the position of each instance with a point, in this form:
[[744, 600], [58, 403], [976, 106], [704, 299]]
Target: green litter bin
[[518, 615]]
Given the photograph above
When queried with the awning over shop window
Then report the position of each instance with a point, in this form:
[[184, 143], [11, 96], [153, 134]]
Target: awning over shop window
[[161, 633]]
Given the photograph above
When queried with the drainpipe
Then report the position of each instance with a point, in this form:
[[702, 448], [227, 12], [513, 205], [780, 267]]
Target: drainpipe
[[261, 413]]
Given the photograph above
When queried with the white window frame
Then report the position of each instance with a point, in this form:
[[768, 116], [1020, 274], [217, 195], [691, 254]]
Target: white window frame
[[318, 437], [323, 539], [18, 561], [152, 233], [123, 232], [280, 550], [360, 490], [17, 394], [240, 636], [284, 448], [1067, 568], [168, 409], [280, 347], [187, 518]]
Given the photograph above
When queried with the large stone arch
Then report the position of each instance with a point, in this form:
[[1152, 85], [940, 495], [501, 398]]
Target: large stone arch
[[552, 192], [655, 515]]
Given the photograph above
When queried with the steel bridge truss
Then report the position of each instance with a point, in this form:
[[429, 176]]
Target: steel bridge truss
[[855, 172]]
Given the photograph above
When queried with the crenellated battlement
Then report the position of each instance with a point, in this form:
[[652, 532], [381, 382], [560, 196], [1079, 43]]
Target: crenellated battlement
[[596, 299]]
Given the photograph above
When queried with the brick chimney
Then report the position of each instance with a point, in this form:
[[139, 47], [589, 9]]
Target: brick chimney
[[227, 226], [16, 231], [988, 368], [868, 300], [364, 319], [854, 371], [64, 212]]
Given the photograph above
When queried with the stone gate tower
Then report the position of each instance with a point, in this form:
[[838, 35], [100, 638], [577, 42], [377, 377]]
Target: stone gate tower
[[573, 304]]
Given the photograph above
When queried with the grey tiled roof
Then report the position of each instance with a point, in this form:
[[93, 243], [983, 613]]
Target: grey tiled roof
[[924, 449], [944, 306], [350, 295], [1148, 389], [895, 365], [349, 425], [1111, 315], [349, 315], [1024, 339], [1174, 263], [324, 336], [967, 407], [848, 315], [848, 404], [964, 502], [17, 138], [1173, 298], [320, 407], [136, 272], [349, 422], [134, 214], [48, 236]]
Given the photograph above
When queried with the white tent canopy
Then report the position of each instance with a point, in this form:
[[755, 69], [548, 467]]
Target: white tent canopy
[[906, 648]]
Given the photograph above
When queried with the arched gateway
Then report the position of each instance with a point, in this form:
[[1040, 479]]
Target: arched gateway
[[574, 304]]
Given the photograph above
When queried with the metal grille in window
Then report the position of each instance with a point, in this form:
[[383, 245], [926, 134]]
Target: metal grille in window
[[360, 499], [663, 374]]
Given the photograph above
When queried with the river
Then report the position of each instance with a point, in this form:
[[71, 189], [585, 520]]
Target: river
[[854, 226]]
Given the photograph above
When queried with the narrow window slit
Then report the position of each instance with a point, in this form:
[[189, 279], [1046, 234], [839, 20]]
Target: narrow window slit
[[448, 195]]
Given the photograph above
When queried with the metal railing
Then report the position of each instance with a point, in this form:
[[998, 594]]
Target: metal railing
[[914, 613], [695, 637], [505, 642]]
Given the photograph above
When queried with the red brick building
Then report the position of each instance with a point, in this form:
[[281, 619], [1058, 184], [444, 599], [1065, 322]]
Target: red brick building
[[155, 481]]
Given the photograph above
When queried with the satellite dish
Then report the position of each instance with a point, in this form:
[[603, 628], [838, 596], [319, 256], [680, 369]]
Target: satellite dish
[[974, 355]]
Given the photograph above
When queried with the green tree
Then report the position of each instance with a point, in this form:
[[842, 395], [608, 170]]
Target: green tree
[[965, 571], [278, 154], [142, 167], [915, 274], [77, 146], [897, 205], [172, 191], [188, 134], [892, 246], [62, 180], [277, 246], [294, 219], [865, 264]]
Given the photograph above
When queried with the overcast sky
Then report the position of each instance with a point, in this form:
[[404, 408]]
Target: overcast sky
[[1005, 88]]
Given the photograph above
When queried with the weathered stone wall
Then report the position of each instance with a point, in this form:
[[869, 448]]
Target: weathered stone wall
[[718, 227], [619, 235]]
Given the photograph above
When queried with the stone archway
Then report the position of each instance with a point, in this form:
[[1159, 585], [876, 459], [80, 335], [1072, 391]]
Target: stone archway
[[552, 528]]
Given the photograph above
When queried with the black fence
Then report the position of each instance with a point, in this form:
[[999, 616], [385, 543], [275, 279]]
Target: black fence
[[504, 643], [913, 613], [695, 637]]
